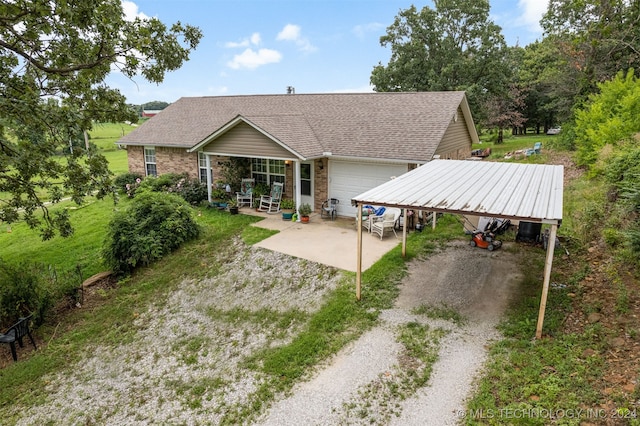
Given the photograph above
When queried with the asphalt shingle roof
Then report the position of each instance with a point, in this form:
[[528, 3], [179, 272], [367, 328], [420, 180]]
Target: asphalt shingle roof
[[398, 125]]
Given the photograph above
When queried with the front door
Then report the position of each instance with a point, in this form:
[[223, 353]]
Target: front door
[[306, 183]]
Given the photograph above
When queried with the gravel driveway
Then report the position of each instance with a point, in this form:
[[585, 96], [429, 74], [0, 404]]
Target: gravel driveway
[[172, 374]]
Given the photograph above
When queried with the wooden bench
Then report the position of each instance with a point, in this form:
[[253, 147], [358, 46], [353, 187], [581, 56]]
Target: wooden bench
[[15, 333]]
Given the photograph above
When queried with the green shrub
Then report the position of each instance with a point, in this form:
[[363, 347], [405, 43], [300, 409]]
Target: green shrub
[[121, 181], [154, 225], [163, 183], [192, 191], [25, 289]]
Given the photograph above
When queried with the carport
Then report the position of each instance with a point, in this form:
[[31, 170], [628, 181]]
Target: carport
[[524, 192]]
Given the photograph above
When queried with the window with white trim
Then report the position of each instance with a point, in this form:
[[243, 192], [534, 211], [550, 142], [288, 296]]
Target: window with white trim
[[150, 161], [267, 171], [202, 167]]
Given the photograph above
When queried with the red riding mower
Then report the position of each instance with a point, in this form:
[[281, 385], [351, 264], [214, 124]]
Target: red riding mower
[[487, 238]]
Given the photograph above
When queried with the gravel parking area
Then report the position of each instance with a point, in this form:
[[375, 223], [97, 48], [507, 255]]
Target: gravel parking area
[[176, 374]]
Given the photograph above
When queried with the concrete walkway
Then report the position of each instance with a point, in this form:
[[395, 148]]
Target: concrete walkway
[[332, 243]]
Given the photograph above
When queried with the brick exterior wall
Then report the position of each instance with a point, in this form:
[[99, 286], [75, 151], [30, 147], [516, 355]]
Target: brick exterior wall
[[321, 183], [135, 158], [176, 160], [168, 160]]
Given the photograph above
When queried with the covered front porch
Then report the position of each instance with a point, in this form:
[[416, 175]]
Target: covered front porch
[[304, 177]]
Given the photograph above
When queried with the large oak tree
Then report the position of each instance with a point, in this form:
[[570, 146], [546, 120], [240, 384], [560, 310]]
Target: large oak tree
[[454, 46], [54, 58]]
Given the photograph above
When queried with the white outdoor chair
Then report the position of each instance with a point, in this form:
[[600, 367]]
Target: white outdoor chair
[[245, 196], [380, 225], [375, 213], [271, 203]]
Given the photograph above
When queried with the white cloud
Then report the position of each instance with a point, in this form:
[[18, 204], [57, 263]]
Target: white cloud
[[361, 30], [292, 32], [251, 59], [131, 11], [255, 40], [533, 11]]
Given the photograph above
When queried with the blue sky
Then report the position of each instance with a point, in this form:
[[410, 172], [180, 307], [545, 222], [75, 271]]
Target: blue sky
[[316, 46]]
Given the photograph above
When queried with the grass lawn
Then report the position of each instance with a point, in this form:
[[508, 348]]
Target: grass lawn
[[105, 135], [513, 143]]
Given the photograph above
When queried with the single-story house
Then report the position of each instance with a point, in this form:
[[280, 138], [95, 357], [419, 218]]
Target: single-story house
[[319, 145]]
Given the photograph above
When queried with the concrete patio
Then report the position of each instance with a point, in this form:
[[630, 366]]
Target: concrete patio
[[324, 241]]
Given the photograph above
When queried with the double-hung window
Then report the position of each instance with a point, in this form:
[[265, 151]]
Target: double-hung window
[[150, 161], [202, 167], [267, 171]]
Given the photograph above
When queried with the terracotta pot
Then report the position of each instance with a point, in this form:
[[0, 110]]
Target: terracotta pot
[[304, 219]]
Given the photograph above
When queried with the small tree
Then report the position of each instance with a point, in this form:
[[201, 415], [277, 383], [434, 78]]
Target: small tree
[[154, 225]]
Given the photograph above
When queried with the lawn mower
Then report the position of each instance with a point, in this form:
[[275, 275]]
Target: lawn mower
[[487, 238]]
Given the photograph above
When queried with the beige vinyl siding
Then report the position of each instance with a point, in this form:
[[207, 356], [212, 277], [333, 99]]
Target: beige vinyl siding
[[244, 141], [456, 138]]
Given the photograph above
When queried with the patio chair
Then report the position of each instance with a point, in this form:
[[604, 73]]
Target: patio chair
[[15, 333], [386, 222], [271, 203], [375, 213], [537, 147], [245, 196], [329, 208]]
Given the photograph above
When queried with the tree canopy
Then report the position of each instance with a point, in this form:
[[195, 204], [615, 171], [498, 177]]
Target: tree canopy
[[610, 117], [454, 46], [54, 58]]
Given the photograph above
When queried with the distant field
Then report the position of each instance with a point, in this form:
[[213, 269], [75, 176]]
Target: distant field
[[105, 135]]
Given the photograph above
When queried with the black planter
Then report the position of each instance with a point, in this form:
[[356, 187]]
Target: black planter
[[233, 210], [529, 232]]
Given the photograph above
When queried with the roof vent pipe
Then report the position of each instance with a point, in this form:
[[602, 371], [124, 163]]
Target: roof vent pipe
[[291, 90]]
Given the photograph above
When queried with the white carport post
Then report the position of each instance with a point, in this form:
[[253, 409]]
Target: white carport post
[[359, 251], [551, 245], [296, 179], [209, 177]]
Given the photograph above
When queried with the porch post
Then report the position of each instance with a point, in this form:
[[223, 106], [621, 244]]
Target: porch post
[[298, 193], [359, 251], [209, 178], [551, 245]]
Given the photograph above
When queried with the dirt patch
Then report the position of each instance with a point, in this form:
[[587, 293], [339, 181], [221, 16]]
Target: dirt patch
[[477, 283]]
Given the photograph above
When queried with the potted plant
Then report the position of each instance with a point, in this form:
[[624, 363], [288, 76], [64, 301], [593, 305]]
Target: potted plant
[[218, 196], [304, 211], [233, 206], [288, 206], [258, 191]]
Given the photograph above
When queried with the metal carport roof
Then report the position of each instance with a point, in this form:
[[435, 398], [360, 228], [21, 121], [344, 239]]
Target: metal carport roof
[[529, 192]]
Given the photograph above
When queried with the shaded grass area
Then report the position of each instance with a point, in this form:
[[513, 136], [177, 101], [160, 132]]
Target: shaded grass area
[[64, 254]]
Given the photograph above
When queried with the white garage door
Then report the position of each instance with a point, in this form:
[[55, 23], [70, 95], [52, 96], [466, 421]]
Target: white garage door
[[349, 179]]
